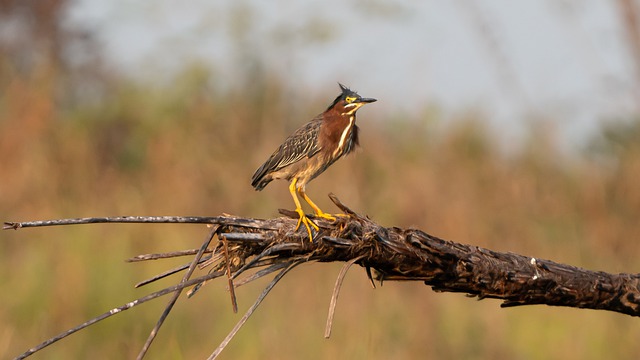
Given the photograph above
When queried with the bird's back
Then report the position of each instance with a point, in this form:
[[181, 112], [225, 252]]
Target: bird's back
[[303, 143]]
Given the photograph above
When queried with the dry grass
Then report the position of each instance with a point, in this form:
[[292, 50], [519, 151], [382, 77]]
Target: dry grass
[[191, 150]]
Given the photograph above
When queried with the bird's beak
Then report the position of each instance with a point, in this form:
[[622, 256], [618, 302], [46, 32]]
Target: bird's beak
[[367, 100]]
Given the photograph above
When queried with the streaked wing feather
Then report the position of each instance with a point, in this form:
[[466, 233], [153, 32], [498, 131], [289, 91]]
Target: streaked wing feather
[[302, 143], [298, 146]]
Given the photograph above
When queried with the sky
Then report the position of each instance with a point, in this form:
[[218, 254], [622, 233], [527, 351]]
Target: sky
[[564, 63]]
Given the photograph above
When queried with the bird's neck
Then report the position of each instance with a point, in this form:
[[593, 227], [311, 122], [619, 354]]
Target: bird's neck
[[333, 117], [340, 130]]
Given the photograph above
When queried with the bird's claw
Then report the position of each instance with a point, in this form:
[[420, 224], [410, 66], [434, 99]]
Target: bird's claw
[[331, 217], [324, 215], [307, 223]]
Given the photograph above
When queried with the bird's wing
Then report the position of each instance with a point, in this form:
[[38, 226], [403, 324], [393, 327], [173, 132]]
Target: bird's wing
[[302, 143]]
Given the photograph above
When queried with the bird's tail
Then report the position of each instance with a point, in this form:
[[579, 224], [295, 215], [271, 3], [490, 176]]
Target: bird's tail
[[260, 179], [259, 185]]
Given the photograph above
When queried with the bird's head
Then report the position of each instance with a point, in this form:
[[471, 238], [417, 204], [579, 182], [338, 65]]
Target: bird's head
[[348, 101]]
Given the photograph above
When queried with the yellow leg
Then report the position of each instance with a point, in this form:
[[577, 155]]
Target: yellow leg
[[319, 213], [303, 218]]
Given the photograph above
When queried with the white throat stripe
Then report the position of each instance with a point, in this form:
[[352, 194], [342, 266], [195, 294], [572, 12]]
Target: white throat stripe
[[343, 137]]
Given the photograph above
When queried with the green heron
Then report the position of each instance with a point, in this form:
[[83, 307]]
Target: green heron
[[311, 149]]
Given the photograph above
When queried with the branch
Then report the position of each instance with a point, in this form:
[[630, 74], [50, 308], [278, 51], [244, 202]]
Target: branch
[[413, 255], [394, 254]]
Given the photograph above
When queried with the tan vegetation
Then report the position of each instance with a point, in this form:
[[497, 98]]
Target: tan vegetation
[[189, 148]]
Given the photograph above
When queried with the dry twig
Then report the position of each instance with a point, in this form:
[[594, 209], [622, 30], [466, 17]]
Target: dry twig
[[395, 254]]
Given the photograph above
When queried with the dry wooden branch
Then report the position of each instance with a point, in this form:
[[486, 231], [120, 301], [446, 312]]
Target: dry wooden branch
[[399, 254], [395, 255]]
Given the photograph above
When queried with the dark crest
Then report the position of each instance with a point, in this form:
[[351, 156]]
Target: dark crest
[[345, 92]]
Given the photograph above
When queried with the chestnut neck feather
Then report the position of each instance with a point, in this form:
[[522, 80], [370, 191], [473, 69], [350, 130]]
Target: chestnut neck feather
[[333, 129]]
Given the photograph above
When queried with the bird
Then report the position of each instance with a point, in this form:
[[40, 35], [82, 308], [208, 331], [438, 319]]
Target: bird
[[311, 149]]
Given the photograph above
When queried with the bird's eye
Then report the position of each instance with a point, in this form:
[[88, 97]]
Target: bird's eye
[[350, 99]]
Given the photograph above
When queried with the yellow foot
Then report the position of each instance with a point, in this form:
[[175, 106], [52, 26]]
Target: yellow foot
[[324, 215], [330, 217], [307, 223]]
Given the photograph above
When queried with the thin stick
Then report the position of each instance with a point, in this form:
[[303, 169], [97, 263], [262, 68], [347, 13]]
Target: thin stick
[[118, 219], [266, 252], [220, 220], [259, 274], [215, 257], [169, 272], [340, 205], [232, 292], [368, 270], [334, 297], [118, 310], [145, 257], [174, 298], [244, 236], [253, 307]]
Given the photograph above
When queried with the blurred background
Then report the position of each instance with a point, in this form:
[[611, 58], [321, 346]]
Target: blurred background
[[512, 127]]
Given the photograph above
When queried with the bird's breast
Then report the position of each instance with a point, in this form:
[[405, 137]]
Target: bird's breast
[[345, 138]]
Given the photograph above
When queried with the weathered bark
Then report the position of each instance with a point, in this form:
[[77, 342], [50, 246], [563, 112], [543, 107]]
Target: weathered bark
[[413, 255], [405, 255], [394, 254]]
